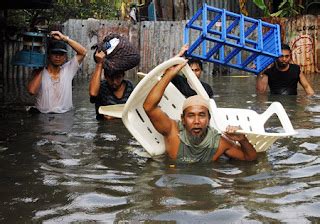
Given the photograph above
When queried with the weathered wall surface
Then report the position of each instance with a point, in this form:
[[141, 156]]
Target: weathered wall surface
[[89, 32], [302, 35], [158, 41]]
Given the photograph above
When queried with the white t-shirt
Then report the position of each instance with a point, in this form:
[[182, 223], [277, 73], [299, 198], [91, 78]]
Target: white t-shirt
[[55, 96]]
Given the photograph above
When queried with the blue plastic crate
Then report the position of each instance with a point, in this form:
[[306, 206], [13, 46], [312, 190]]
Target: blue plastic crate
[[234, 40], [29, 58], [33, 53]]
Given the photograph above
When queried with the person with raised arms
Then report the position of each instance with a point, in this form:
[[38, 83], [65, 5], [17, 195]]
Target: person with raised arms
[[52, 85], [192, 139], [112, 90]]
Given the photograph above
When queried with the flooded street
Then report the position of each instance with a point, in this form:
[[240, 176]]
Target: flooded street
[[61, 168]]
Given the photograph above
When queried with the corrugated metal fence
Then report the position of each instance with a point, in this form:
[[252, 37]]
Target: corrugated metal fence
[[158, 41], [233, 6]]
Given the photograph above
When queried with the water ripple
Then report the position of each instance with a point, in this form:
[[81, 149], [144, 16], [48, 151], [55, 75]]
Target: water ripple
[[307, 133], [302, 213], [94, 200], [314, 108], [89, 202], [177, 180], [304, 172], [297, 158], [281, 189], [309, 146], [304, 195], [221, 216], [83, 217]]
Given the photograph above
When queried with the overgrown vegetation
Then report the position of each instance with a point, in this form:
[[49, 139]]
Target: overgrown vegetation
[[62, 10], [287, 8]]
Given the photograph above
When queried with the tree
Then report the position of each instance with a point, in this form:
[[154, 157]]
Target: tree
[[287, 8], [243, 9], [62, 10]]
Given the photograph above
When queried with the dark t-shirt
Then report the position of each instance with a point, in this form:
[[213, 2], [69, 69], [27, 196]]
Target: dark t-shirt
[[106, 96], [182, 85], [283, 83]]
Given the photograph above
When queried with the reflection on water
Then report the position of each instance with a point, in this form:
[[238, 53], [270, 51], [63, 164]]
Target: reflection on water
[[72, 168]]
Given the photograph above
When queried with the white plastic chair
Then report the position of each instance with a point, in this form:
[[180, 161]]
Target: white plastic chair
[[252, 123]]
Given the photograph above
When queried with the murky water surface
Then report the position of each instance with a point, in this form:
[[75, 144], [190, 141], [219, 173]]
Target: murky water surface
[[71, 168]]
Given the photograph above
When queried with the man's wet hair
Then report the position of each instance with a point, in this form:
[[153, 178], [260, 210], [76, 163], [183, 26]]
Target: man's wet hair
[[195, 61], [285, 47]]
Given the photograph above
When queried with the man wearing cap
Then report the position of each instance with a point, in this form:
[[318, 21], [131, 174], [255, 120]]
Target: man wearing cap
[[114, 89], [52, 85], [192, 139]]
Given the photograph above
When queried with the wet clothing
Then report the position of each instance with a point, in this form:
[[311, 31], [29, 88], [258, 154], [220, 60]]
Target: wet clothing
[[182, 85], [55, 96], [283, 82], [203, 152], [106, 96]]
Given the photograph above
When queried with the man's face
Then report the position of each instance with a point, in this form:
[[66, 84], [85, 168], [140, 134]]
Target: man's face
[[115, 81], [284, 60], [57, 58], [196, 69], [196, 120]]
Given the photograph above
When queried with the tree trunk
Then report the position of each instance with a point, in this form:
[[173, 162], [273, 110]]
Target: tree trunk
[[243, 9], [166, 7], [179, 10]]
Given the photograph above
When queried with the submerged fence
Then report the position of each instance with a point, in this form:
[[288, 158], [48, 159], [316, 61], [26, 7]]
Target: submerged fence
[[158, 41]]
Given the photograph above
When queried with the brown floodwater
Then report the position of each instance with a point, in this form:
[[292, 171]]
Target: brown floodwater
[[62, 168]]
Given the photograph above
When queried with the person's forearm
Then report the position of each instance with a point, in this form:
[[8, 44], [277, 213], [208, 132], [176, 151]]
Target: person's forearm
[[306, 85], [248, 149], [309, 91], [94, 86], [75, 46], [261, 83], [34, 84], [156, 93]]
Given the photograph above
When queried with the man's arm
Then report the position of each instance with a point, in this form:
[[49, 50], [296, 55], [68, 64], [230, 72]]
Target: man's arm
[[183, 49], [243, 152], [35, 82], [306, 85], [81, 51], [262, 83], [94, 86], [160, 120]]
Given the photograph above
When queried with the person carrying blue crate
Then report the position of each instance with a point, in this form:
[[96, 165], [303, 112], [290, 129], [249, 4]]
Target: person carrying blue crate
[[181, 82], [52, 85], [283, 77]]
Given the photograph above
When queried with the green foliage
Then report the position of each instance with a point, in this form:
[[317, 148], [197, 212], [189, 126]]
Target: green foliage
[[98, 9], [262, 6], [287, 8], [62, 10]]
